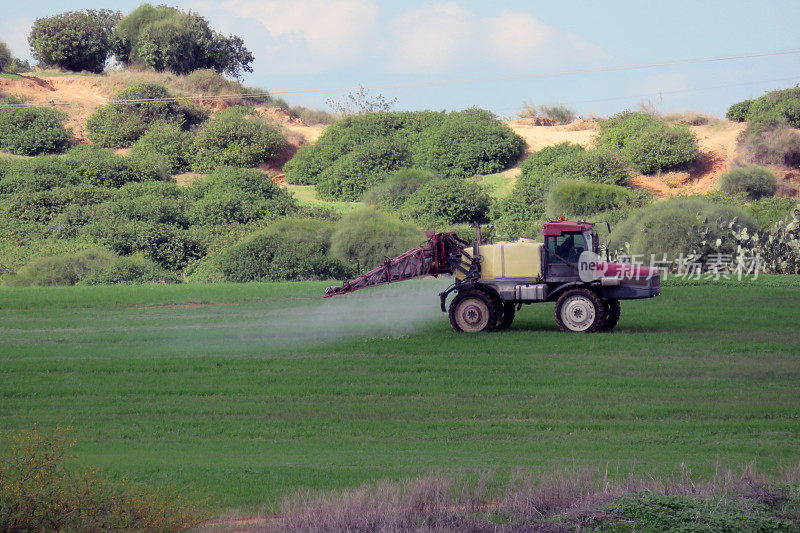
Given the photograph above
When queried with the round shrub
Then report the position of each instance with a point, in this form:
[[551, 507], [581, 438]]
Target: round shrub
[[662, 148], [32, 130], [648, 142], [356, 172], [75, 40], [670, 226], [134, 269], [92, 266], [397, 187], [775, 108], [448, 201], [5, 56], [66, 269], [582, 199], [168, 140], [117, 124], [35, 174], [368, 237], [158, 202], [738, 111], [230, 195], [458, 144], [467, 143], [100, 167], [238, 137], [288, 250], [755, 182], [553, 164]]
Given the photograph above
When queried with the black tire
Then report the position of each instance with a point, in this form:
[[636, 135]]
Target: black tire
[[508, 310], [581, 310], [614, 311], [472, 311]]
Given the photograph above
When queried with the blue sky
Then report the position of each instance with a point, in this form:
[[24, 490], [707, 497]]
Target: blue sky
[[307, 49]]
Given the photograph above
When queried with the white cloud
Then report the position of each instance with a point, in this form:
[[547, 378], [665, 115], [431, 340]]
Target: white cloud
[[516, 36], [431, 37], [336, 31]]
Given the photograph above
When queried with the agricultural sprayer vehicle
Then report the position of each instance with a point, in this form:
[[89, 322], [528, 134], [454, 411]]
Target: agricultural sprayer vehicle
[[493, 281]]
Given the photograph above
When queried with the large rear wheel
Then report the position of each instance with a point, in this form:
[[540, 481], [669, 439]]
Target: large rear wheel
[[473, 311], [581, 310], [507, 317], [614, 310]]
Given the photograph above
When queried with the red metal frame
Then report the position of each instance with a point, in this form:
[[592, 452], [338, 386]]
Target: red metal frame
[[438, 256]]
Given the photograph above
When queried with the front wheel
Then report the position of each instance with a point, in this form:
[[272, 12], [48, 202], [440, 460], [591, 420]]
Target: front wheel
[[472, 311], [581, 310]]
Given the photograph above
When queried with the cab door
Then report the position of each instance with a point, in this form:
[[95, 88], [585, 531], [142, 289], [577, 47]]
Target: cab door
[[563, 252]]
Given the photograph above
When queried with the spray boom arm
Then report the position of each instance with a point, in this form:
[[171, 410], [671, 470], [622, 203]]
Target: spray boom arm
[[440, 255]]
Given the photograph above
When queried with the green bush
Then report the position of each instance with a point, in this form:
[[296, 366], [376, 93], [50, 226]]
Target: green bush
[[755, 182], [368, 237], [236, 136], [167, 140], [35, 174], [738, 111], [134, 269], [670, 227], [776, 108], [164, 38], [66, 269], [44, 206], [356, 172], [32, 130], [768, 211], [5, 56], [291, 249], [75, 40], [648, 142], [582, 199], [397, 187], [160, 202], [118, 123], [559, 113], [461, 143], [92, 266], [230, 195], [39, 493], [100, 167], [448, 201], [467, 143], [81, 165], [776, 146], [554, 164], [647, 511]]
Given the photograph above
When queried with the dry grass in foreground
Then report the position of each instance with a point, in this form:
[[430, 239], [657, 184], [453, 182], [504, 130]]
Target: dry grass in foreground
[[730, 501]]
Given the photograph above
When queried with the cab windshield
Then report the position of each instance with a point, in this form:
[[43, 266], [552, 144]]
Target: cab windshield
[[568, 246]]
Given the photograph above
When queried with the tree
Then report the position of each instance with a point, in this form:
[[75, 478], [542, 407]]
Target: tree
[[164, 38], [5, 56], [75, 40]]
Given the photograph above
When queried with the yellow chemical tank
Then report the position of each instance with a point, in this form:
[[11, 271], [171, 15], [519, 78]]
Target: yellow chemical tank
[[518, 259]]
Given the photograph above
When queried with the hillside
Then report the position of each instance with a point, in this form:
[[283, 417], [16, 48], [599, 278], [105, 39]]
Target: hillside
[[79, 95]]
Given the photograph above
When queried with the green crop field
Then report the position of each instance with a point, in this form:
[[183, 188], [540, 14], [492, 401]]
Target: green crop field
[[251, 391]]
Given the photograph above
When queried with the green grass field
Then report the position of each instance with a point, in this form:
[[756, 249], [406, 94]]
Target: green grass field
[[268, 389]]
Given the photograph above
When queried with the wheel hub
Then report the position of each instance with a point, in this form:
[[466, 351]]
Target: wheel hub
[[578, 313]]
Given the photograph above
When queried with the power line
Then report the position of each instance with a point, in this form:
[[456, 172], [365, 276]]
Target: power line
[[675, 91], [457, 81]]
